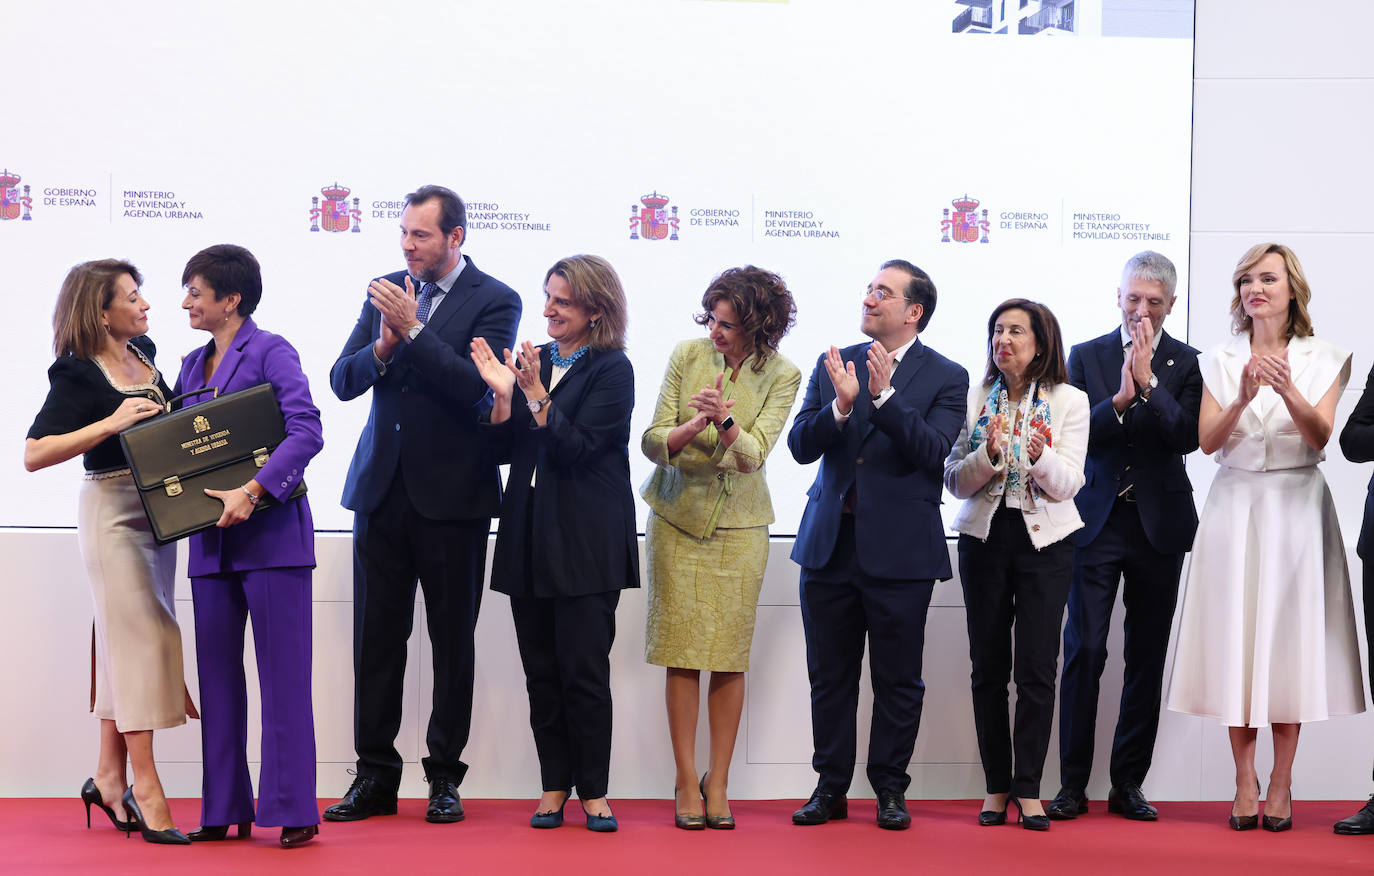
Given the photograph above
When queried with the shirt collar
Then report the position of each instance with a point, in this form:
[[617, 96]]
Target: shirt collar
[[900, 352], [445, 282]]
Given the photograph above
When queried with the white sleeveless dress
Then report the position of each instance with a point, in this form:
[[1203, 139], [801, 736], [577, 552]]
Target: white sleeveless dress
[[1267, 628]]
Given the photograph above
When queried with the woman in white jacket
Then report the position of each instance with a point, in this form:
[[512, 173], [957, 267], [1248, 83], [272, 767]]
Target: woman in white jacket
[[1017, 464]]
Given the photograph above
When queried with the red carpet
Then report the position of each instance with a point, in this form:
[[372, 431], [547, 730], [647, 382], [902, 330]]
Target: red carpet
[[49, 836]]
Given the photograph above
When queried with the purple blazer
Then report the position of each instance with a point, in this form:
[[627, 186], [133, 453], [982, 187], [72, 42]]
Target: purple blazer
[[283, 535]]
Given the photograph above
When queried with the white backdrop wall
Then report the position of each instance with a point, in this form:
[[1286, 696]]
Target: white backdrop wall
[[1276, 154]]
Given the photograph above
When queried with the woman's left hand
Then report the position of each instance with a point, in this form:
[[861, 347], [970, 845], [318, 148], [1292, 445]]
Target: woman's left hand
[[525, 365], [1273, 369], [711, 403], [237, 506], [1036, 446]]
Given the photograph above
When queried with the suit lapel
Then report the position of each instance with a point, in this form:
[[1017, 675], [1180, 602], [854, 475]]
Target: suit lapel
[[1110, 357], [224, 372], [457, 299]]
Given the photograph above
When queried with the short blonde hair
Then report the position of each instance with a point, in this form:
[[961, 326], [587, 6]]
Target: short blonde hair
[[596, 289], [1299, 321], [88, 289]]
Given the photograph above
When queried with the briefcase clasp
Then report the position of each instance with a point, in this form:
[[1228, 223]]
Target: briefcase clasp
[[260, 457], [172, 485]]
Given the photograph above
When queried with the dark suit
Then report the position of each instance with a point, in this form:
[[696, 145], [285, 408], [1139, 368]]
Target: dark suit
[[565, 548], [1357, 443], [261, 568], [1144, 541], [423, 497], [869, 573]]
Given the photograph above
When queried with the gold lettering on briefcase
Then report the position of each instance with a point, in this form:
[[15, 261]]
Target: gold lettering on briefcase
[[200, 424]]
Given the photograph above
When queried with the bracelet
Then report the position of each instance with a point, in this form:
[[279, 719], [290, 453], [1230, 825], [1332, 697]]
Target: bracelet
[[251, 497]]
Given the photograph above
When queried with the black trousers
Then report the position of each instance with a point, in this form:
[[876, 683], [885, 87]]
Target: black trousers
[[392, 548], [1368, 575], [1150, 594], [1008, 582], [841, 607], [565, 647]]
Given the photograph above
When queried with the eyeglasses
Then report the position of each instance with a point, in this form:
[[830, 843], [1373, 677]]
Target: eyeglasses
[[880, 294]]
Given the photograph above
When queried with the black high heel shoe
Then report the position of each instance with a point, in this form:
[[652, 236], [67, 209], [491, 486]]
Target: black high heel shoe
[[90, 795], [1246, 822], [1278, 825], [994, 817], [215, 832], [169, 837], [689, 822], [1030, 822]]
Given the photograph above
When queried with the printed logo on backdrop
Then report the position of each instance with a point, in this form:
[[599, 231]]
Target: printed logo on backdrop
[[495, 216], [653, 221], [335, 214], [1112, 226], [156, 204], [966, 225], [14, 202]]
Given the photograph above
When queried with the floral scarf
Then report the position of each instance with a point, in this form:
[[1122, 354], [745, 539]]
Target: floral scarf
[[1034, 409]]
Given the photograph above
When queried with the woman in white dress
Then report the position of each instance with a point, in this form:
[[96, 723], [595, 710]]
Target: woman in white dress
[[1267, 634]]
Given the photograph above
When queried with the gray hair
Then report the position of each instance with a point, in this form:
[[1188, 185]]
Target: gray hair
[[1152, 267]]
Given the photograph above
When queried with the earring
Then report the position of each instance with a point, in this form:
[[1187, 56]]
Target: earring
[[591, 324]]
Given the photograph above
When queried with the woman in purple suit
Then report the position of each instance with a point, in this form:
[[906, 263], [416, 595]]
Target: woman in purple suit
[[253, 565]]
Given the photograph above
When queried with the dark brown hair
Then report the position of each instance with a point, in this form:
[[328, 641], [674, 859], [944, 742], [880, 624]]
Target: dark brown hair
[[1048, 365], [764, 306]]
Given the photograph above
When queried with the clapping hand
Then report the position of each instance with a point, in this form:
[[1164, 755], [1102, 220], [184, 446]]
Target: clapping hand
[[711, 403], [494, 371], [1249, 381], [993, 437], [844, 379], [1273, 369], [525, 365], [1126, 392], [1142, 339], [880, 365]]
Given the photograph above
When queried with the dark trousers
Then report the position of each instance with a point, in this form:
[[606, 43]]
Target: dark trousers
[[841, 606], [1368, 575], [392, 547], [1007, 581], [1150, 594], [565, 647], [278, 601]]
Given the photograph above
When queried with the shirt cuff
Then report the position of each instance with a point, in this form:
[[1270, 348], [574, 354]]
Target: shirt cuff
[[381, 366], [840, 419], [882, 397]]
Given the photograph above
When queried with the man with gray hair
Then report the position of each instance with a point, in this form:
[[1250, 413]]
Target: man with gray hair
[[1145, 389]]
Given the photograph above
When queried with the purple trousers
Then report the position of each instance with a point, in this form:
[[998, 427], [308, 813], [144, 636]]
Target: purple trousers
[[278, 601]]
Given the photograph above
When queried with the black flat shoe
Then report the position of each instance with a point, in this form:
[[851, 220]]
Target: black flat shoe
[[1030, 822], [600, 823], [1068, 804], [216, 832], [169, 837], [295, 837], [822, 807], [90, 795], [550, 819], [1359, 824]]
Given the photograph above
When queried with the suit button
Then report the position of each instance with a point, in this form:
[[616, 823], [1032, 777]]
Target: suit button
[[1035, 527], [405, 389], [859, 461], [720, 475], [398, 427]]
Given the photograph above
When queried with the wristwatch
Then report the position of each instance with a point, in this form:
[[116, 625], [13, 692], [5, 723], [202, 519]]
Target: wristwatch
[[1149, 387], [726, 424], [537, 406]]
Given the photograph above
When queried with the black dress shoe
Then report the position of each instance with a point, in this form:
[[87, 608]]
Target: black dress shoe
[[366, 797], [1128, 800], [892, 814], [445, 806], [1068, 804], [211, 833], [1359, 824], [822, 807], [295, 837]]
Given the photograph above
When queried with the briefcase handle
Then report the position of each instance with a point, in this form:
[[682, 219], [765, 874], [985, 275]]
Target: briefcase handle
[[172, 401]]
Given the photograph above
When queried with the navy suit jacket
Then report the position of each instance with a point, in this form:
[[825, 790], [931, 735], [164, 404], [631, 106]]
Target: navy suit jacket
[[1357, 443], [283, 535], [894, 456], [583, 527], [1152, 440], [425, 408]]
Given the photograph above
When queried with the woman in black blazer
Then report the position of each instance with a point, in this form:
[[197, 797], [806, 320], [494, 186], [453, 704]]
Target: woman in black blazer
[[566, 544]]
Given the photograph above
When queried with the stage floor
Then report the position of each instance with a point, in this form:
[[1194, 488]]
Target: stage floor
[[49, 836]]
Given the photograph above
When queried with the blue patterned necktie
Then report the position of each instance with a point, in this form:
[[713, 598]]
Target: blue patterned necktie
[[423, 303]]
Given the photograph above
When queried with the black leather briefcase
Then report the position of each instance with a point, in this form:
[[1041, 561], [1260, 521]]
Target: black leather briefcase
[[219, 444]]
